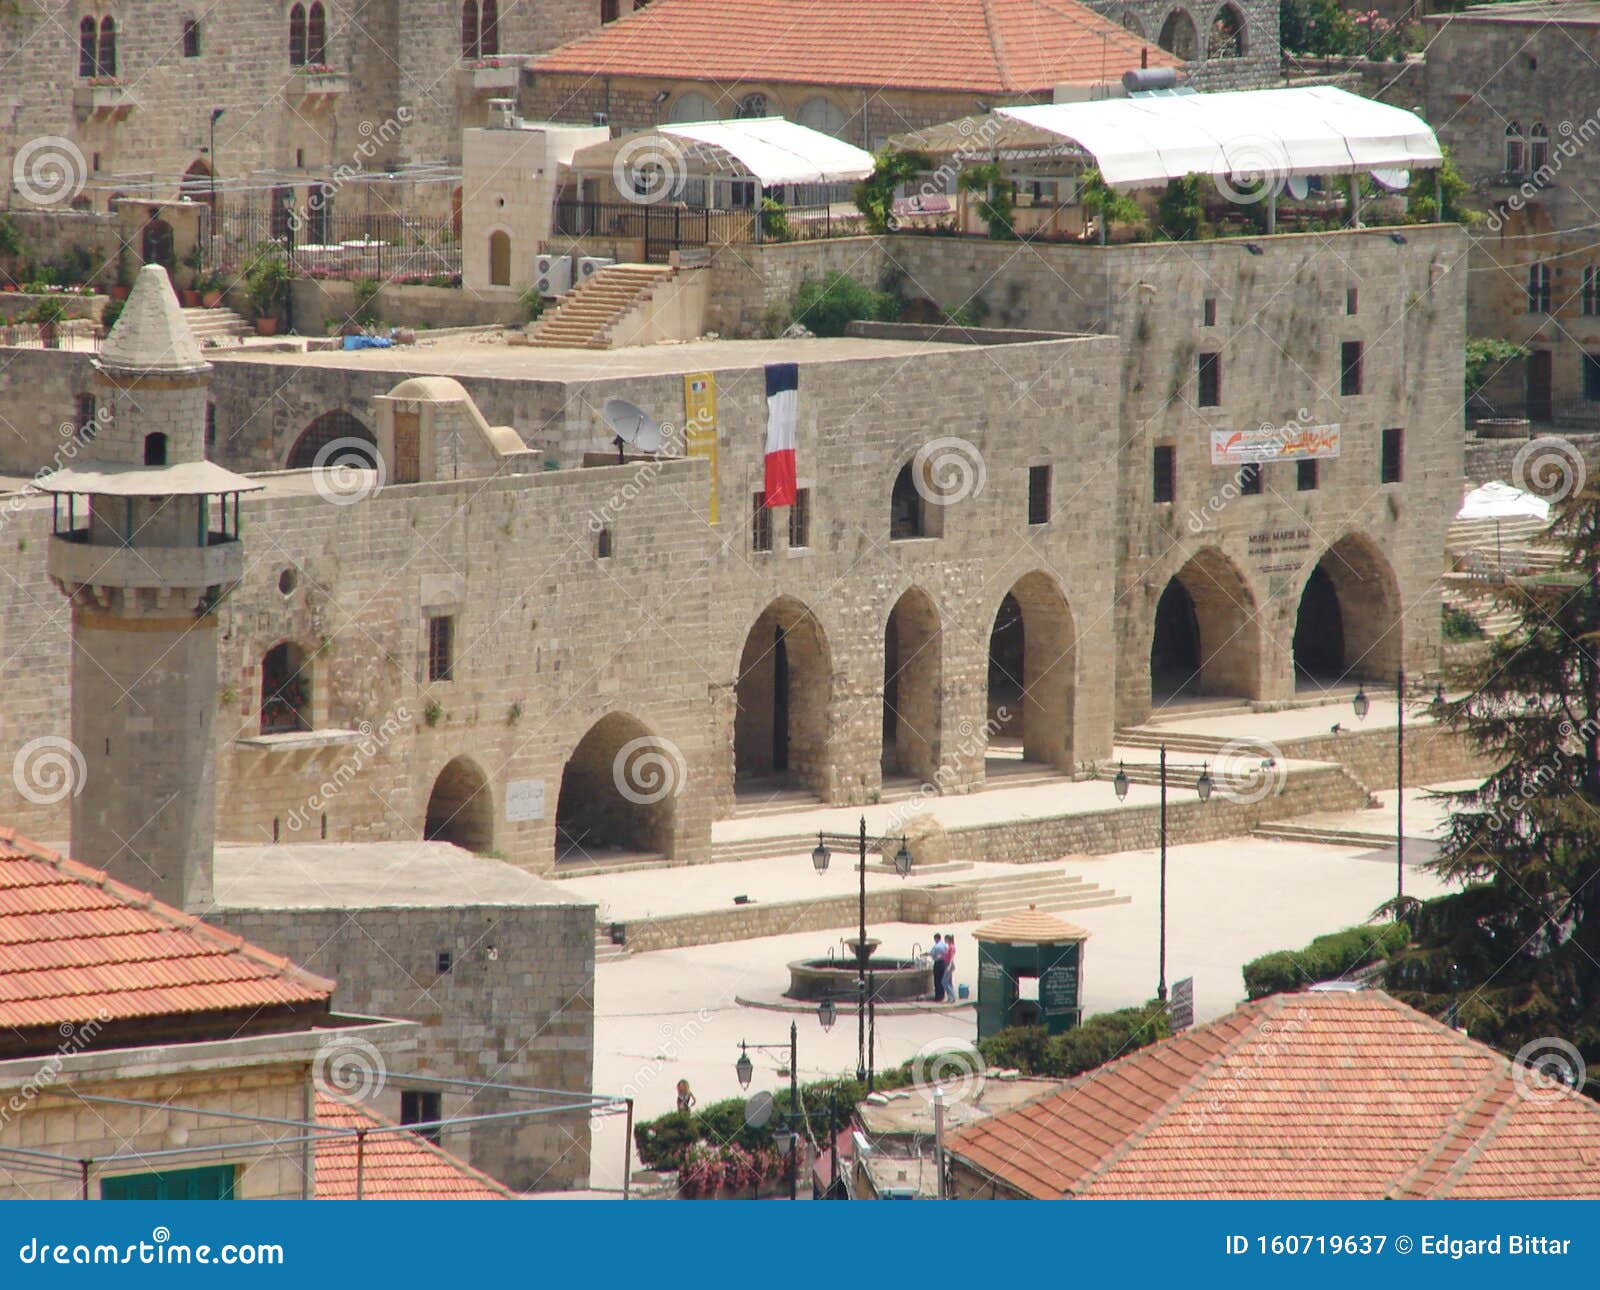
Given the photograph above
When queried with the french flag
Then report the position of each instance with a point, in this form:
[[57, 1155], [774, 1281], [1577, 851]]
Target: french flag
[[783, 396]]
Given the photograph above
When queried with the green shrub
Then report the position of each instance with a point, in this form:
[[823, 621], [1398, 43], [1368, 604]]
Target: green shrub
[[533, 303], [874, 196], [267, 279], [1180, 216], [1325, 959], [1100, 1039], [827, 307], [110, 312], [367, 299], [1458, 625]]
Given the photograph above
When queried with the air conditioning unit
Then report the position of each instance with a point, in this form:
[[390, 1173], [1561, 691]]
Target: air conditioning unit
[[589, 265], [552, 275]]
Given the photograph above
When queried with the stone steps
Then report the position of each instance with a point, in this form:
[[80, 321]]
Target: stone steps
[[1140, 737], [584, 317], [1050, 892], [606, 950], [1331, 837], [216, 324]]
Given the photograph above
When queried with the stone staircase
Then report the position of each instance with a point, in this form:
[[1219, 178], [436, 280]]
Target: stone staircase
[[1329, 836], [1196, 745], [217, 324], [585, 316], [1053, 891], [605, 949]]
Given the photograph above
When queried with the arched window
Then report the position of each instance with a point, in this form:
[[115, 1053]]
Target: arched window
[[88, 47], [499, 259], [692, 106], [907, 512], [751, 105], [317, 34], [1514, 149], [155, 449], [823, 115], [489, 28], [108, 47], [1178, 36], [297, 36], [1227, 33], [1538, 147], [1130, 22], [285, 690], [470, 47]]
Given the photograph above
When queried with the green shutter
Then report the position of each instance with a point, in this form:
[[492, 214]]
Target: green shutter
[[210, 1182]]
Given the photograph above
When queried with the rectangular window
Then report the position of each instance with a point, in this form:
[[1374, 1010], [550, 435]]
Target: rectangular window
[[1250, 479], [211, 427], [602, 543], [1539, 277], [417, 1107], [1165, 482], [800, 520], [191, 38], [1591, 377], [760, 523], [1591, 291], [1393, 456], [441, 647], [1350, 367], [1038, 494], [1209, 312], [1210, 380], [1350, 300], [86, 418], [208, 1182], [1305, 475]]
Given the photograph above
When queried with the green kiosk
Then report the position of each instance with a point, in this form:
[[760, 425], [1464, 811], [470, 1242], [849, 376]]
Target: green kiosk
[[1030, 972]]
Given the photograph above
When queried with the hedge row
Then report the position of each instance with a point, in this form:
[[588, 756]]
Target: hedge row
[[1325, 959], [1100, 1039]]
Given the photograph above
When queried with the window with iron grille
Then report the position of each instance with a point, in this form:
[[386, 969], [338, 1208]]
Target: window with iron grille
[[760, 523], [800, 520], [1393, 456], [1038, 494], [1164, 466], [441, 647], [418, 1107]]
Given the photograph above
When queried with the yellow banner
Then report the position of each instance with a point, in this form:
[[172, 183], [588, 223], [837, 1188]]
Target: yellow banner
[[700, 426]]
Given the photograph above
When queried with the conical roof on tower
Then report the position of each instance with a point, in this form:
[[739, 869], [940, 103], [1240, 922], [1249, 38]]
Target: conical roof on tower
[[151, 335]]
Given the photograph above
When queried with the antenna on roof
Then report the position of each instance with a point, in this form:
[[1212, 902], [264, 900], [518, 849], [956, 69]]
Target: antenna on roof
[[631, 424]]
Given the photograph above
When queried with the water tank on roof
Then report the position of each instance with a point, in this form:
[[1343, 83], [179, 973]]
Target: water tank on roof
[[1142, 79]]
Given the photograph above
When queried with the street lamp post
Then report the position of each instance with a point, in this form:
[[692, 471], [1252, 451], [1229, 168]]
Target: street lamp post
[[820, 856], [744, 1068], [216, 114], [1362, 705], [1203, 787]]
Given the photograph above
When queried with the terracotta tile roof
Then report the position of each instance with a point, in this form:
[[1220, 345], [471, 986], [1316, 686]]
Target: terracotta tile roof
[[1030, 927], [76, 946], [394, 1166], [968, 46], [1300, 1096]]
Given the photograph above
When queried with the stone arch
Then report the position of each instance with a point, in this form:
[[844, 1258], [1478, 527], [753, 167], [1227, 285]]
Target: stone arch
[[912, 687], [156, 242], [1132, 22], [331, 427], [823, 115], [1228, 38], [285, 689], [1206, 639], [1178, 36], [691, 106], [1033, 672], [499, 258], [461, 807], [619, 792], [782, 727], [1348, 625]]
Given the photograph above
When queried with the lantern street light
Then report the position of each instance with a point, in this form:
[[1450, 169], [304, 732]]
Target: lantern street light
[[1362, 705], [744, 1068], [1203, 786]]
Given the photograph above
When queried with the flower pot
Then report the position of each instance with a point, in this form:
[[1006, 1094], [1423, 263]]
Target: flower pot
[[118, 293], [266, 326], [190, 298], [211, 299]]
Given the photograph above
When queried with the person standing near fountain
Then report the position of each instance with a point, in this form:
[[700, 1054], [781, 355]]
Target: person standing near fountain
[[937, 954], [949, 965]]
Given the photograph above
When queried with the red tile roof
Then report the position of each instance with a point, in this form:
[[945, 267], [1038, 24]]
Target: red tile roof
[[967, 46], [394, 1166], [76, 946], [1299, 1096]]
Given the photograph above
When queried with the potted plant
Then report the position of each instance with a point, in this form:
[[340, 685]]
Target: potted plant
[[190, 295], [48, 313], [266, 285], [211, 286], [124, 282]]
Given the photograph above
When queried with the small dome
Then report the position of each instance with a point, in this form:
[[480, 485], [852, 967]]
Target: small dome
[[430, 389]]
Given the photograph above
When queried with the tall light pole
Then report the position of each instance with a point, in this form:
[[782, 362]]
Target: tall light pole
[[216, 113], [1362, 705], [744, 1069], [1203, 786]]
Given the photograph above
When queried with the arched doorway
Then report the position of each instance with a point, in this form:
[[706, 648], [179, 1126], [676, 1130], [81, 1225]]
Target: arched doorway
[[1178, 36], [156, 242], [912, 677], [331, 427], [1205, 641], [785, 685], [461, 807], [499, 259], [1348, 625], [619, 793], [1227, 34], [1032, 675], [285, 690]]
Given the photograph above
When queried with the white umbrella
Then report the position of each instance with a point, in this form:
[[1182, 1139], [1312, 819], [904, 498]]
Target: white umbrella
[[1497, 501]]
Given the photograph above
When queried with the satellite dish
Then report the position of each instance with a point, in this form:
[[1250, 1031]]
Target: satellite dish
[[632, 424], [1298, 187], [1393, 180], [758, 1110]]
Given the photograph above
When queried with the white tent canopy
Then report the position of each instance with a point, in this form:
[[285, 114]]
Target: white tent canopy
[[1272, 134], [774, 151], [1498, 500]]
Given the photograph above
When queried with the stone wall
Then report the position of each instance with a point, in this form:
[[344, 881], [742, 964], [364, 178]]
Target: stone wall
[[316, 304], [516, 1007], [1254, 67], [1489, 459]]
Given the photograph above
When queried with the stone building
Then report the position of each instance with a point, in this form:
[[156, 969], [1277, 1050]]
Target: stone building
[[860, 74], [519, 637], [1500, 92], [1232, 45], [285, 93]]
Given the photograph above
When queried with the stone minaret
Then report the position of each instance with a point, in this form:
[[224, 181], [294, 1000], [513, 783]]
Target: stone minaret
[[146, 543]]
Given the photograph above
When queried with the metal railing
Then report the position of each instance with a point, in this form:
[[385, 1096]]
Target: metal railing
[[666, 227], [329, 244]]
